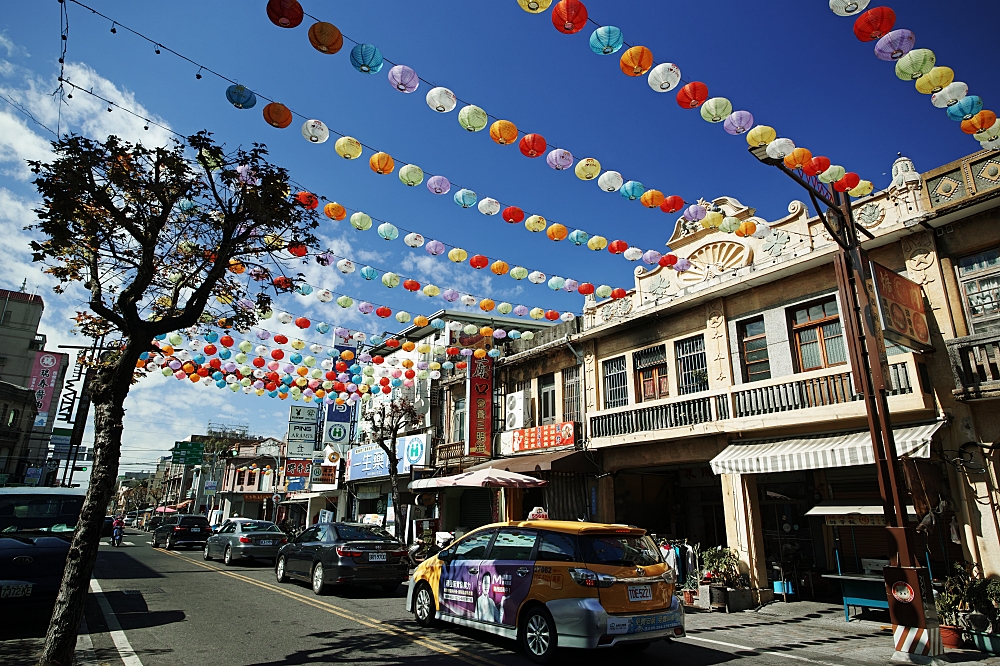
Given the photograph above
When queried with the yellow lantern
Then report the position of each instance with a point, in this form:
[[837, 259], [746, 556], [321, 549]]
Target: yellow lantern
[[479, 353], [535, 223], [348, 147], [588, 169], [597, 243], [863, 188], [935, 80], [409, 346], [457, 254], [712, 220], [761, 135], [424, 348]]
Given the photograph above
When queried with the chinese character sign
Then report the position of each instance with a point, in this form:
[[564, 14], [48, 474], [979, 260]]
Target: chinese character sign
[[901, 308], [44, 374], [479, 410], [549, 436]]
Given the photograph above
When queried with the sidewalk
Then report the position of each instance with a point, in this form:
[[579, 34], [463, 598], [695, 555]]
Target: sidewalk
[[813, 631]]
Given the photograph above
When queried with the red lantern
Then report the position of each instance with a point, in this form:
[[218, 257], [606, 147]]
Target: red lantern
[[258, 362], [667, 260], [281, 339], [617, 246], [478, 261], [452, 351], [339, 387], [340, 366], [461, 365], [585, 288], [411, 285], [378, 360], [302, 322], [849, 181], [215, 364], [386, 390], [672, 204], [226, 341], [330, 376], [209, 349], [513, 215], [277, 354], [384, 381], [552, 315], [692, 95], [532, 145], [618, 293], [409, 374], [874, 23], [271, 386], [284, 13], [298, 249], [392, 343], [816, 166], [282, 283], [569, 16], [307, 199]]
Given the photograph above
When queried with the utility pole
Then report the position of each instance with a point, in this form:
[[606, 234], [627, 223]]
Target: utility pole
[[908, 587]]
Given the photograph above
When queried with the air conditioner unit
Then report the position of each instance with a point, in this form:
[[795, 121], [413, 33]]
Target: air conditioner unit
[[514, 417]]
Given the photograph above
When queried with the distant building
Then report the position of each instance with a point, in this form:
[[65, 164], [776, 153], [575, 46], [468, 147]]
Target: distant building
[[17, 414]]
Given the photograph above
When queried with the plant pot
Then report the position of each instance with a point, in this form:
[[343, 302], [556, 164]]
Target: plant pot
[[989, 643], [738, 600], [703, 600], [688, 597], [717, 596], [951, 637]]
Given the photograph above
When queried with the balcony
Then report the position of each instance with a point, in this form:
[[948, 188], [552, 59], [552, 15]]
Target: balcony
[[826, 395], [975, 365]]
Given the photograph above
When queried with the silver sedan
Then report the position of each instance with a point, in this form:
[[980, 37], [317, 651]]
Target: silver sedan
[[245, 540]]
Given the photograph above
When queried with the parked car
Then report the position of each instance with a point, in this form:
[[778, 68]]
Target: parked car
[[181, 530], [36, 526], [342, 554], [552, 584], [153, 523], [245, 540]]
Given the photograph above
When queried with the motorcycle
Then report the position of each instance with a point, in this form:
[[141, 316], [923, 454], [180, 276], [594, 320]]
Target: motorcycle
[[116, 536]]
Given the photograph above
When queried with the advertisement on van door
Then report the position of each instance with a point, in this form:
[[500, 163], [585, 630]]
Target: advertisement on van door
[[490, 592]]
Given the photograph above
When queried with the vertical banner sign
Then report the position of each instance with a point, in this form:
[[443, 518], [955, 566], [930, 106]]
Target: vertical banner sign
[[301, 435], [901, 308], [44, 374], [479, 408]]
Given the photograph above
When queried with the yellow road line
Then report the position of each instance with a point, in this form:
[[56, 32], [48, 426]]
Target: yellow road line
[[339, 611]]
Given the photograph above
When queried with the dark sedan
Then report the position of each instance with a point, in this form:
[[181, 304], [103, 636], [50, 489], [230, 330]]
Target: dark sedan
[[245, 540], [182, 530], [343, 554], [36, 526]]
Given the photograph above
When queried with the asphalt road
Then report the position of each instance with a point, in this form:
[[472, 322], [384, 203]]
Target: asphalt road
[[176, 609]]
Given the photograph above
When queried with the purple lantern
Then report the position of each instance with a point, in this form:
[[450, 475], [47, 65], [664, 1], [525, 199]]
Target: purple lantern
[[365, 307], [343, 377], [324, 259], [559, 159], [738, 122], [365, 358], [258, 384], [229, 367], [466, 352], [682, 265], [651, 257], [570, 285], [450, 295], [434, 248], [520, 310], [438, 184], [263, 335], [694, 213], [894, 45], [246, 304], [175, 365], [288, 369], [499, 334], [341, 332], [403, 79]]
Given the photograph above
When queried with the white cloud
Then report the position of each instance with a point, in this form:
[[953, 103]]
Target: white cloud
[[12, 49]]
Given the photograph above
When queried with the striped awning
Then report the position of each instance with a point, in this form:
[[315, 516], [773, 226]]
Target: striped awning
[[841, 450]]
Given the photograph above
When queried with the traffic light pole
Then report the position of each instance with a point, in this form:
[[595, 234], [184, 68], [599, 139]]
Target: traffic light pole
[[914, 617]]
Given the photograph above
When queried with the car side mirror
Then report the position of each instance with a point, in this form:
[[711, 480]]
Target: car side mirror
[[444, 555]]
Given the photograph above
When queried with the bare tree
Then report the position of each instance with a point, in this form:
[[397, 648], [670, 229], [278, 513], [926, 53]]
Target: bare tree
[[387, 421], [161, 240]]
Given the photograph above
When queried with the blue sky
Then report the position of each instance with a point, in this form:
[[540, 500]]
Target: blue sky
[[792, 63]]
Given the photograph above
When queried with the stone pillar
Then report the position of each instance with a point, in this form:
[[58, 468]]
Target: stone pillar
[[743, 530], [720, 372]]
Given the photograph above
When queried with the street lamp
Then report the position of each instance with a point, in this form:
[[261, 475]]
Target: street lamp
[[908, 589]]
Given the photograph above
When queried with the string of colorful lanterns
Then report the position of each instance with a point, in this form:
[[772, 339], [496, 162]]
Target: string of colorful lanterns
[[920, 66]]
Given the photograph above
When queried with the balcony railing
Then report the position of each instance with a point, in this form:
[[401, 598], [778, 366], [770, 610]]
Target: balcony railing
[[975, 365], [454, 451], [821, 388]]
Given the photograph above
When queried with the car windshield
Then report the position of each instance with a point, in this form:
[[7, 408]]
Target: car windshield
[[29, 512], [363, 533], [259, 526], [620, 549]]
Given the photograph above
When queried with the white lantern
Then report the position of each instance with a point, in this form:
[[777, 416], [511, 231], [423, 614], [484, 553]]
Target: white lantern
[[441, 100], [610, 181], [489, 206], [949, 95], [633, 254], [413, 239], [664, 77], [847, 7], [315, 131], [779, 148], [536, 277], [345, 266]]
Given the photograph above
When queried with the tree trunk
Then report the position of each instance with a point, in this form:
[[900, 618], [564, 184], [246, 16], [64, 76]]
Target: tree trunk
[[394, 482], [110, 387]]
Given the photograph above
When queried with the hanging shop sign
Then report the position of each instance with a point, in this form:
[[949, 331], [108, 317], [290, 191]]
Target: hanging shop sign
[[298, 467], [526, 440], [370, 461], [479, 412], [44, 375], [302, 414], [901, 308], [322, 476], [855, 520]]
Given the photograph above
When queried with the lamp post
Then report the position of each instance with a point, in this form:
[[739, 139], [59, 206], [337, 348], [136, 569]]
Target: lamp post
[[908, 589]]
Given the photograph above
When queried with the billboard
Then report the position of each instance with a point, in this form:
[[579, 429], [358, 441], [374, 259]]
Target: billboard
[[479, 408], [302, 414], [901, 308], [370, 461], [298, 467], [337, 426], [528, 440], [44, 374]]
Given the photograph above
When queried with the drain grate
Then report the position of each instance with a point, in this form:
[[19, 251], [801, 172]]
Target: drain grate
[[150, 590]]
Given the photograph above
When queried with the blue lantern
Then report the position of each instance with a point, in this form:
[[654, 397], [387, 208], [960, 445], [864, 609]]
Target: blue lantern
[[366, 58], [376, 340], [578, 237], [388, 231], [447, 365], [225, 354], [221, 383], [304, 289], [514, 335], [632, 190], [494, 353], [240, 96], [323, 328], [965, 108], [438, 324], [198, 358], [295, 358], [606, 40], [333, 352], [369, 273], [465, 198], [185, 205], [163, 336]]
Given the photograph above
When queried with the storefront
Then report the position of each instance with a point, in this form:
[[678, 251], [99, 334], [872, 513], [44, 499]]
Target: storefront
[[367, 478]]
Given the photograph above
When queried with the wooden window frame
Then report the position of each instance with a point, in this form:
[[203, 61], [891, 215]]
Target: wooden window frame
[[659, 375], [990, 322], [817, 324], [744, 352], [543, 391]]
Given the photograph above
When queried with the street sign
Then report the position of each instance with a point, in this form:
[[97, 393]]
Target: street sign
[[302, 414], [275, 498], [300, 449], [302, 432]]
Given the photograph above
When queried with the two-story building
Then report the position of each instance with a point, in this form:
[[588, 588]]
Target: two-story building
[[251, 479]]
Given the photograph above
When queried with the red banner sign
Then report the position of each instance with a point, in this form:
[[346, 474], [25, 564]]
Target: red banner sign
[[479, 408], [44, 374], [543, 437], [298, 467], [901, 307]]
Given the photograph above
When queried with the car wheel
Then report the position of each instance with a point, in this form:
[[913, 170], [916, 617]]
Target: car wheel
[[634, 647], [537, 635], [279, 570], [390, 588], [227, 557], [207, 555], [318, 584], [170, 543], [423, 606]]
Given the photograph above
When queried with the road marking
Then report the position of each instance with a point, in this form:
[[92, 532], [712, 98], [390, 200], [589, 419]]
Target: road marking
[[339, 611], [85, 646], [753, 649], [125, 650]]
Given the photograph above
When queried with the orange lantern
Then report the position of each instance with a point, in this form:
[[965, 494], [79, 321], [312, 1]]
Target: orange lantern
[[557, 232], [347, 355], [486, 304], [503, 132], [983, 120], [236, 266], [409, 346], [326, 37], [746, 229], [652, 198], [382, 163], [499, 267], [307, 199], [479, 353], [636, 61], [335, 211], [277, 115], [420, 320], [798, 158]]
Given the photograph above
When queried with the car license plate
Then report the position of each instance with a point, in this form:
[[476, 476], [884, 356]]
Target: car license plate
[[12, 591], [640, 593], [265, 542], [376, 557], [196, 529]]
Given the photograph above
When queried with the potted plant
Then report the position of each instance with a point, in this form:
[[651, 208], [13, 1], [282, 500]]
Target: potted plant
[[983, 619], [948, 606], [689, 588], [727, 586]]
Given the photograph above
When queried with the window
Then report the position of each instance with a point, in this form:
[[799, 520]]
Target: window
[[651, 373], [572, 391], [252, 478], [753, 341], [473, 548], [615, 383], [819, 338], [547, 398], [692, 370], [555, 547], [228, 529], [12, 418], [458, 422], [309, 536], [240, 477], [513, 545], [979, 279]]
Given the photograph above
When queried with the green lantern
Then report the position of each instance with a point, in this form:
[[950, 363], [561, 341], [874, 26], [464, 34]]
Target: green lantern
[[519, 272], [411, 175], [361, 221], [729, 225], [505, 308], [472, 118], [716, 110], [345, 301], [915, 64], [603, 291], [390, 280]]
